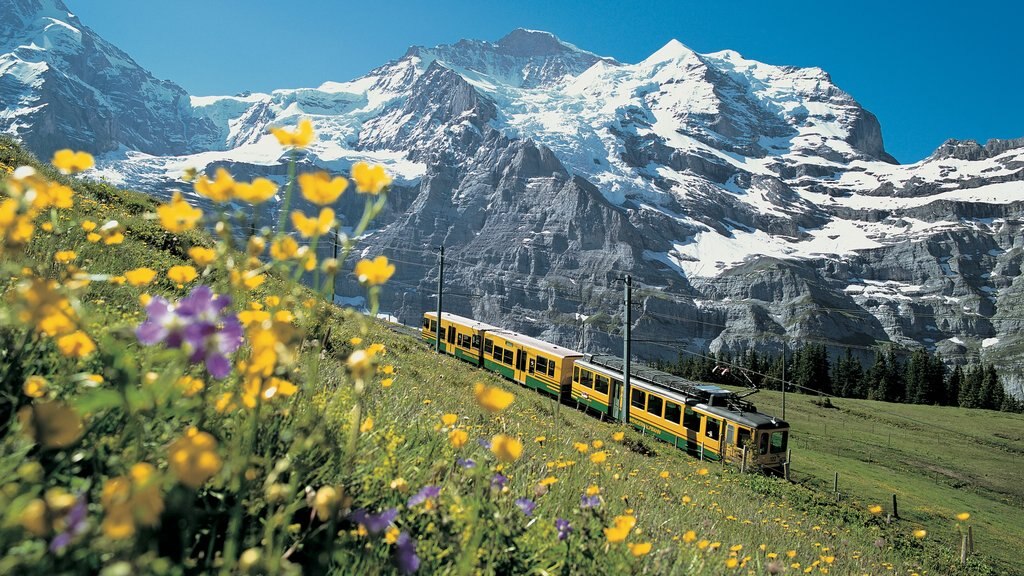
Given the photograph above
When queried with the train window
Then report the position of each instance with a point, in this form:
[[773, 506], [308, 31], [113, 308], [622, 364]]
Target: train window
[[778, 442], [601, 384], [476, 342], [575, 373], [426, 323], [638, 398], [459, 340], [763, 442], [744, 437], [654, 404], [551, 368], [488, 346], [586, 379], [542, 365], [508, 357], [711, 428], [498, 351], [672, 412], [691, 420]]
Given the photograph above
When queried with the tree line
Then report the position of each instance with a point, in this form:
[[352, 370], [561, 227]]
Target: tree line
[[915, 378]]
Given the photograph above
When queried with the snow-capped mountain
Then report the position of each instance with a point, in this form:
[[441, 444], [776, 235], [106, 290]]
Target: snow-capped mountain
[[750, 201]]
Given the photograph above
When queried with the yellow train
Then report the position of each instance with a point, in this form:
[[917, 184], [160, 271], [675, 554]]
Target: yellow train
[[707, 421]]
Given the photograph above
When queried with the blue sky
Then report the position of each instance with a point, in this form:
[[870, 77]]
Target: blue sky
[[929, 71]]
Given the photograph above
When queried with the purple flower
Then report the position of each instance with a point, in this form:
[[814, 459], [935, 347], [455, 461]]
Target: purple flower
[[498, 481], [405, 554], [199, 324], [590, 501], [526, 505], [75, 523], [422, 496], [466, 463], [374, 523], [484, 443], [563, 527]]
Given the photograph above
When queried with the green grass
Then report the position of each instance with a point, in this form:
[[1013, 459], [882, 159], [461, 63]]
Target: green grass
[[938, 460], [302, 442]]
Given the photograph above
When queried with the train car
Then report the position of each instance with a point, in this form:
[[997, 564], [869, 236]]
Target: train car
[[594, 386], [707, 421], [529, 361], [460, 336]]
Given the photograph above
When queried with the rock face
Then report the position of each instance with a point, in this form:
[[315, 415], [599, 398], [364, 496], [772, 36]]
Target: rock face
[[750, 203]]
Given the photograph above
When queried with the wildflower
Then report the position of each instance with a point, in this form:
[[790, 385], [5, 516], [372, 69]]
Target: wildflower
[[405, 554], [75, 525], [563, 527], [65, 256], [178, 215], [689, 537], [425, 494], [458, 437], [589, 501], [313, 226], [492, 399], [255, 192], [249, 560], [88, 225], [548, 481], [736, 548], [140, 276], [526, 505], [664, 474], [539, 439], [702, 472], [35, 386], [369, 179], [193, 458], [963, 516], [687, 499], [731, 562], [506, 448], [320, 189], [325, 501], [498, 481], [400, 484], [621, 529], [391, 535], [181, 275], [367, 425], [202, 256], [69, 161], [198, 324], [875, 509], [466, 463], [189, 385], [920, 533], [300, 138], [597, 444], [449, 419], [593, 490], [640, 549], [374, 523], [374, 272], [284, 248], [791, 554], [76, 345], [221, 189], [131, 500], [355, 341], [387, 382], [599, 457]]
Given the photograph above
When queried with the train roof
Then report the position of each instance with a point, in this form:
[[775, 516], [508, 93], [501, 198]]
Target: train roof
[[475, 324], [546, 347]]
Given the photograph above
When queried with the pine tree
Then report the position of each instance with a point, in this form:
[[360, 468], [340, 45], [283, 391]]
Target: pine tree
[[953, 386]]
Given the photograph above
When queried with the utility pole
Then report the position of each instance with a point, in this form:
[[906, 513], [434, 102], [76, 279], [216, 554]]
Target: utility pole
[[627, 321], [440, 286], [783, 377]]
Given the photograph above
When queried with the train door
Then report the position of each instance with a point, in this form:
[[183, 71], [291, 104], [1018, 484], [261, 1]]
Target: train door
[[520, 374], [732, 451], [613, 399], [451, 335]]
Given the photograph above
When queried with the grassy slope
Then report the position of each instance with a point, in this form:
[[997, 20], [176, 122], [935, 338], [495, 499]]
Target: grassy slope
[[641, 475], [938, 460]]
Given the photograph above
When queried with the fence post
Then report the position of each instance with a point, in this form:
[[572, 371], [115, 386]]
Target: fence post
[[963, 549], [743, 467], [835, 484], [786, 465], [895, 510], [970, 539]]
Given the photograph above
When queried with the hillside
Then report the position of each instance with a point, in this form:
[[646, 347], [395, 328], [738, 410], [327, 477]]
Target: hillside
[[103, 474]]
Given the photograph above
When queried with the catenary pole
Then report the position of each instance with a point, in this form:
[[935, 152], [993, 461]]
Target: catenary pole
[[627, 321], [783, 377], [440, 287]]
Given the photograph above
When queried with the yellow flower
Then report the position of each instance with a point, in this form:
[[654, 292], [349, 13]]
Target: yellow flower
[[458, 437], [400, 484], [597, 444], [76, 345], [875, 509], [88, 225], [193, 458], [202, 256], [325, 502], [920, 533], [449, 419], [618, 436], [581, 447], [664, 474], [640, 549], [736, 547], [690, 537], [731, 562], [113, 238], [319, 188], [65, 256], [621, 529], [492, 399], [687, 499], [69, 162], [221, 189], [506, 448], [301, 138], [702, 472], [140, 276], [791, 554], [387, 382], [548, 481], [51, 424], [35, 386], [540, 439], [391, 535], [963, 516], [598, 457], [703, 544], [131, 500], [355, 341], [593, 490], [367, 425], [181, 274], [93, 237], [255, 246], [369, 179], [178, 215], [284, 248], [374, 272], [259, 190], [190, 386], [317, 226]]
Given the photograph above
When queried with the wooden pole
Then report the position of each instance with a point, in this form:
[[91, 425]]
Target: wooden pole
[[835, 484], [895, 510], [785, 466], [963, 549], [970, 539], [743, 467]]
